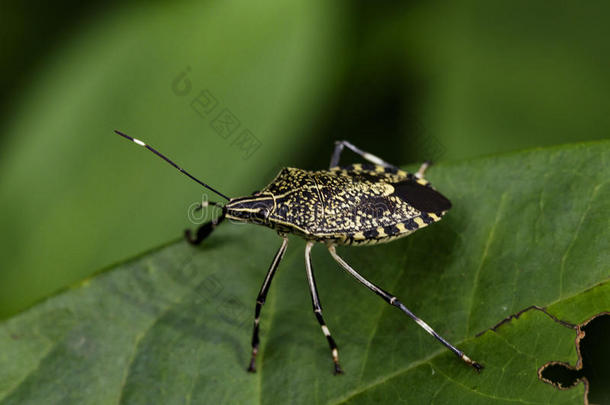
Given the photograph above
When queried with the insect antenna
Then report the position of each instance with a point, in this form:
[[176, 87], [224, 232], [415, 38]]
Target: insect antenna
[[139, 142]]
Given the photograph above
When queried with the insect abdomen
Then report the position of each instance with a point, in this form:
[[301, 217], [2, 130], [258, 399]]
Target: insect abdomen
[[380, 234], [363, 206], [354, 205]]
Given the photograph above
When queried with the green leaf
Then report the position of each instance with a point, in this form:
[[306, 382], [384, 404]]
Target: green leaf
[[68, 180], [173, 326]]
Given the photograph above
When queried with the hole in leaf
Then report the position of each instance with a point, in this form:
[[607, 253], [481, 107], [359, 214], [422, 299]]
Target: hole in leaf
[[593, 366], [561, 375]]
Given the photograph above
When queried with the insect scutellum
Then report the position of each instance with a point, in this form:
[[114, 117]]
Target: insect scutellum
[[359, 204]]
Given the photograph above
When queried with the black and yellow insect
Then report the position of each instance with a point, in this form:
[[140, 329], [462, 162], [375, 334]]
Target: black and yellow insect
[[360, 204]]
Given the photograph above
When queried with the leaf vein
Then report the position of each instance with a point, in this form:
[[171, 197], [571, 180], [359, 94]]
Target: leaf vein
[[575, 238], [477, 274]]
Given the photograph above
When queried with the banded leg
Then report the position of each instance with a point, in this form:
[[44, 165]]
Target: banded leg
[[206, 229], [392, 300], [317, 308], [260, 300], [339, 145], [422, 169]]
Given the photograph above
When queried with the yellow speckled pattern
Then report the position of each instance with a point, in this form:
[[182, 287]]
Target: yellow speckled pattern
[[359, 204]]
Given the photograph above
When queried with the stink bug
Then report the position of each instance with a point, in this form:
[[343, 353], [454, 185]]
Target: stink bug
[[359, 204]]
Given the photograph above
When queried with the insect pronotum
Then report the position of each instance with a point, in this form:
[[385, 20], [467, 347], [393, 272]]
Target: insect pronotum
[[359, 204]]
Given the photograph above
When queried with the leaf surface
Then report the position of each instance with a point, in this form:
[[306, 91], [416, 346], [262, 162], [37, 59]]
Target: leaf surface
[[173, 325]]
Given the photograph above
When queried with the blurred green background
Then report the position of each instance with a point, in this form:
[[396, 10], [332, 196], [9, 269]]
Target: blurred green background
[[409, 81]]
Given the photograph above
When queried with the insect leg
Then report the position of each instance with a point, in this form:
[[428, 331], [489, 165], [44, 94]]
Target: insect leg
[[422, 169], [204, 230], [339, 145], [260, 300], [317, 308], [392, 300]]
